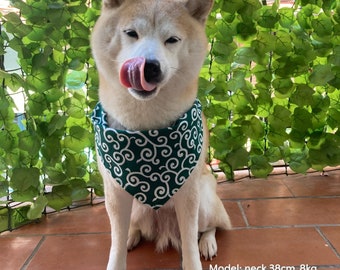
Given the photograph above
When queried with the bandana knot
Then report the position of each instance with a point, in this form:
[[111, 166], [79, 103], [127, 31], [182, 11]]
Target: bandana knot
[[151, 165]]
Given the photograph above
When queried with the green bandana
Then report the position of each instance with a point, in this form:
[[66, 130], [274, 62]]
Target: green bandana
[[153, 164]]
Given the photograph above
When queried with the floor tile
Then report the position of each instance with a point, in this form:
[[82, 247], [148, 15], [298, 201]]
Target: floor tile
[[290, 246], [77, 252], [277, 212], [247, 189], [314, 184], [94, 219], [16, 250], [333, 235], [144, 257], [234, 213]]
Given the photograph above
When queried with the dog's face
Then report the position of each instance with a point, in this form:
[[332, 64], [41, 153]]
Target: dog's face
[[147, 47]]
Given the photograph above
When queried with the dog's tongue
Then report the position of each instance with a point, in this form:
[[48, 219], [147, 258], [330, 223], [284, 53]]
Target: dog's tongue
[[132, 75]]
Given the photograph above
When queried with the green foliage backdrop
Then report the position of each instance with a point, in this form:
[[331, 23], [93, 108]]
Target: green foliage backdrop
[[270, 89]]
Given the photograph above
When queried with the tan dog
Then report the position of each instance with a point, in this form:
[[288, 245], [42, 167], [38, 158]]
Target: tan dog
[[149, 54]]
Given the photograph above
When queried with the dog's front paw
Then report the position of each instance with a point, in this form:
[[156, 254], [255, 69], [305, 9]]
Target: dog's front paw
[[133, 239], [207, 245]]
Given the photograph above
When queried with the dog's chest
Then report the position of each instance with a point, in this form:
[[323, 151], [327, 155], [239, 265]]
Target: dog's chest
[[151, 165]]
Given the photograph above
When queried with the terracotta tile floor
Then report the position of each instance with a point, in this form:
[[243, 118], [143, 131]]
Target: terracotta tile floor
[[283, 223]]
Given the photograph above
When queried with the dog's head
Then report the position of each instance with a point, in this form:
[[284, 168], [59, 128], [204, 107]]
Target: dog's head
[[147, 47]]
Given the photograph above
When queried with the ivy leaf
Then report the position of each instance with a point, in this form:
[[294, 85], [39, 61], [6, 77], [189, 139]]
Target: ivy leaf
[[298, 161], [59, 197], [322, 25], [78, 139], [244, 55], [268, 17], [333, 118], [79, 189], [75, 80], [14, 24], [280, 118], [260, 166], [283, 42], [286, 17], [37, 207], [283, 87], [29, 142], [237, 158], [253, 128], [321, 74], [96, 182], [55, 176], [24, 178], [303, 95], [301, 119]]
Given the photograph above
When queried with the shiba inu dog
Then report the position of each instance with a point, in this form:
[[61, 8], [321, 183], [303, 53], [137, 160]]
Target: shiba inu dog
[[150, 133]]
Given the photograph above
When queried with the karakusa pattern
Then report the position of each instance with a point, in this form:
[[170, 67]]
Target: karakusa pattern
[[151, 165]]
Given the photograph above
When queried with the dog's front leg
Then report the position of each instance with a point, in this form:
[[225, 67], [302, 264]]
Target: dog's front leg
[[118, 206], [187, 205]]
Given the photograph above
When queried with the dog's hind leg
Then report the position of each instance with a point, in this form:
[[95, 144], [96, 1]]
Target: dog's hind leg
[[118, 205]]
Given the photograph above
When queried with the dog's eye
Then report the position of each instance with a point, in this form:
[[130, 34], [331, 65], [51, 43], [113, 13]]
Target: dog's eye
[[131, 33], [172, 40]]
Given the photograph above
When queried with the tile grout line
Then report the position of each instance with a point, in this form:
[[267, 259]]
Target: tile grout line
[[288, 188], [243, 213], [328, 242], [34, 252]]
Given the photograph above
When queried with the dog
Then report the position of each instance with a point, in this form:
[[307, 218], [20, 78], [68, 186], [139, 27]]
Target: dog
[[148, 55]]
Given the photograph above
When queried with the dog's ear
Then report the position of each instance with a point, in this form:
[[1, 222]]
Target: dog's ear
[[199, 9], [112, 3]]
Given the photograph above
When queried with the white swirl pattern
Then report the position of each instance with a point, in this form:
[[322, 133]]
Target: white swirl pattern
[[151, 165]]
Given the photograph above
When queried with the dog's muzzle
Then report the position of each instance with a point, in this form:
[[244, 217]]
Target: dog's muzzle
[[141, 74]]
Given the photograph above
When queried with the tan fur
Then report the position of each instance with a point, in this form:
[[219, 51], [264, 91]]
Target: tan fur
[[195, 208]]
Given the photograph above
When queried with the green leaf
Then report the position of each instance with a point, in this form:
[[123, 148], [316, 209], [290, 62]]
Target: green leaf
[[260, 166], [253, 128], [79, 189], [286, 17], [76, 80], [283, 87], [237, 158], [78, 139], [60, 197], [298, 161], [322, 25], [30, 142], [24, 178], [283, 42], [333, 118], [301, 119], [321, 74], [303, 95], [37, 208], [244, 55], [268, 17]]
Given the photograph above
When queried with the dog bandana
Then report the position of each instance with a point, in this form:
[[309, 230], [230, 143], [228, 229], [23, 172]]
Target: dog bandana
[[151, 165]]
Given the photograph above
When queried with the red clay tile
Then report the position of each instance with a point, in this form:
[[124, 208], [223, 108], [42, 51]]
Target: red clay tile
[[333, 235], [247, 189], [314, 184], [234, 213], [144, 257], [76, 252], [301, 211], [81, 220], [15, 251], [287, 247]]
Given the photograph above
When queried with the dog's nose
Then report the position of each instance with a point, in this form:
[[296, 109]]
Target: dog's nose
[[152, 71]]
